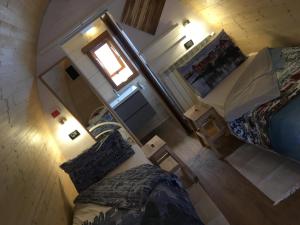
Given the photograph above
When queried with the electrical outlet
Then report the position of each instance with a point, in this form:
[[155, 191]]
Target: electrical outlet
[[188, 44], [74, 134]]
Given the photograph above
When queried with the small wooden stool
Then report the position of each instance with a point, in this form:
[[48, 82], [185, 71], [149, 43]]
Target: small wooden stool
[[157, 151], [207, 124], [211, 130]]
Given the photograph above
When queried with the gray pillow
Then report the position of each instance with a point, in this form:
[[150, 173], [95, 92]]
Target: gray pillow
[[93, 164], [277, 59]]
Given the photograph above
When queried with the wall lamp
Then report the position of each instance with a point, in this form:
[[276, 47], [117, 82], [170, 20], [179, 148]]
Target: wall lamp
[[188, 31], [62, 120], [186, 22]]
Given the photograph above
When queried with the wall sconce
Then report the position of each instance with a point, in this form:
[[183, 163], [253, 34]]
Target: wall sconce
[[70, 128], [188, 28], [188, 31], [186, 22], [62, 120], [195, 31]]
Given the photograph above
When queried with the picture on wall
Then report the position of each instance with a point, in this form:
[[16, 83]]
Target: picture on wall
[[143, 14], [212, 64]]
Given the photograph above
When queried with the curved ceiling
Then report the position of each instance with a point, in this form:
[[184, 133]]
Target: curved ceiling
[[62, 15]]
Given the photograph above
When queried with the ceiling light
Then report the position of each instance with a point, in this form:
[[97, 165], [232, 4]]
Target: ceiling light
[[89, 30]]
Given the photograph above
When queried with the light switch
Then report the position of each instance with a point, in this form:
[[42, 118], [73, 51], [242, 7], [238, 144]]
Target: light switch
[[74, 134]]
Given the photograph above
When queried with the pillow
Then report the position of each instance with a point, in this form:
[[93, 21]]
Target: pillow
[[212, 64], [277, 59], [93, 164], [104, 115]]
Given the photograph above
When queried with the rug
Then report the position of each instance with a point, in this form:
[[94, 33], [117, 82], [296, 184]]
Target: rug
[[277, 177]]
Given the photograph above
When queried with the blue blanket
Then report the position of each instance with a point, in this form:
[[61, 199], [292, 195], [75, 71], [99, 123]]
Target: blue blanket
[[284, 130], [275, 124], [143, 195]]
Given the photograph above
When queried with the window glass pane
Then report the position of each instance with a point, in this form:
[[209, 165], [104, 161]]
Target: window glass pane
[[108, 59], [122, 76]]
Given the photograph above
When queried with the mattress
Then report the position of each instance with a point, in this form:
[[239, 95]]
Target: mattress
[[87, 212], [84, 212], [217, 97]]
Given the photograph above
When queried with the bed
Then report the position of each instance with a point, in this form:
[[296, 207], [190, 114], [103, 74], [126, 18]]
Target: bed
[[258, 97], [88, 211], [275, 124], [217, 97], [118, 185], [101, 122]]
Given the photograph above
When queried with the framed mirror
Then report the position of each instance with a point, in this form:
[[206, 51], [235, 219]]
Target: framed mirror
[[67, 84]]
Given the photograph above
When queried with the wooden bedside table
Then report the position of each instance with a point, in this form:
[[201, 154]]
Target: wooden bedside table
[[157, 151], [207, 124]]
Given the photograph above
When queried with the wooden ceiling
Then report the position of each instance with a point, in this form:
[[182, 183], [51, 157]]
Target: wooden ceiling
[[253, 24]]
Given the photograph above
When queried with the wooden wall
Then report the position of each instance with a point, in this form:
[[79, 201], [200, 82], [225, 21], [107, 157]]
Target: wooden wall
[[80, 103], [254, 24], [30, 190]]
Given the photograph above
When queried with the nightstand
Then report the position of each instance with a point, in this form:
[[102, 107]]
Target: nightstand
[[159, 153], [209, 127]]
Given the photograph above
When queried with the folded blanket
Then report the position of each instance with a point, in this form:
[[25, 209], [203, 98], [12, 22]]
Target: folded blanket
[[127, 190], [256, 86]]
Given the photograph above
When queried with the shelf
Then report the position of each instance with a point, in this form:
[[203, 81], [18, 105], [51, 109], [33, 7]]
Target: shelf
[[163, 43]]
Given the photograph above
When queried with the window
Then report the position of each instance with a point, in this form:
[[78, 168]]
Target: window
[[110, 60]]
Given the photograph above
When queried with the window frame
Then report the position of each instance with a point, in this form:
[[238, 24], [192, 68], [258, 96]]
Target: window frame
[[103, 38]]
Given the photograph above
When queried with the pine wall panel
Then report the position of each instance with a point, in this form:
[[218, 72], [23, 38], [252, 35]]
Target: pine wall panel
[[30, 188], [254, 24]]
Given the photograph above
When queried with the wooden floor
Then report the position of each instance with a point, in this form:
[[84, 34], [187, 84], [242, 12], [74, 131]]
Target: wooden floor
[[239, 201], [187, 147], [205, 207]]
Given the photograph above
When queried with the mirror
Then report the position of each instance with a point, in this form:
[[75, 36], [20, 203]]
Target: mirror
[[137, 105], [71, 88], [132, 98]]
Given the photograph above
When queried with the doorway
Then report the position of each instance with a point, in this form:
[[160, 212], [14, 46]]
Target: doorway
[[68, 85], [141, 103]]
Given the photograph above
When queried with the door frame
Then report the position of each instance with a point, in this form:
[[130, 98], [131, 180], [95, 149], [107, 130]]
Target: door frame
[[154, 81]]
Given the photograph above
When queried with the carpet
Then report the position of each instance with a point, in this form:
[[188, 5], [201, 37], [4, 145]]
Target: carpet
[[277, 177]]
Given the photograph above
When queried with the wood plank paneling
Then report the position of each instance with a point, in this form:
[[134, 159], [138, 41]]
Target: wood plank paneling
[[239, 200], [30, 190], [143, 14], [254, 24]]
